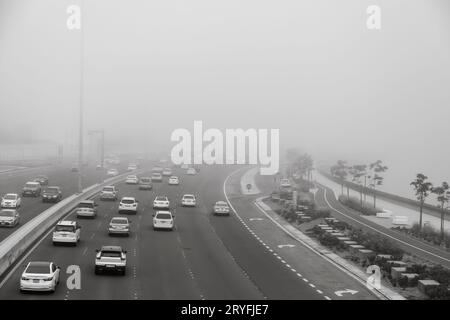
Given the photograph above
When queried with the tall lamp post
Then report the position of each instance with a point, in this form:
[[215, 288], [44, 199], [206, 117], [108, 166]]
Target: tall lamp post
[[102, 150]]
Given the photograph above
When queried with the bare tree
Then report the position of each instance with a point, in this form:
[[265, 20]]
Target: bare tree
[[376, 179], [339, 170]]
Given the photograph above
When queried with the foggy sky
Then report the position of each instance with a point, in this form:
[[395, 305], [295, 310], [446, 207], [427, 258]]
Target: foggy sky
[[309, 68]]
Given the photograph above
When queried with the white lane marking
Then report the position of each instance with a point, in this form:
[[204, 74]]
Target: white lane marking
[[256, 219], [251, 231], [84, 251], [381, 232], [342, 292], [286, 246]]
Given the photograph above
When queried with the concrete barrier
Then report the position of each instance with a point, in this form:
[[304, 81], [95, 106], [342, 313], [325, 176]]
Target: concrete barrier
[[19, 241]]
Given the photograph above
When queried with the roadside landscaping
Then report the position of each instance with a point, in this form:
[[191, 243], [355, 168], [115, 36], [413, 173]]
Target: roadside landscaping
[[408, 275]]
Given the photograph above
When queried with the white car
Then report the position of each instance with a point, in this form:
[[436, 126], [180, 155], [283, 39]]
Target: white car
[[157, 177], [161, 202], [285, 183], [163, 220], [184, 166], [188, 200], [132, 179], [86, 209], [108, 193], [40, 276], [128, 204], [221, 208], [191, 171], [157, 169], [111, 258], [173, 180], [119, 225], [132, 167], [9, 218], [167, 172], [11, 200], [66, 232], [112, 172]]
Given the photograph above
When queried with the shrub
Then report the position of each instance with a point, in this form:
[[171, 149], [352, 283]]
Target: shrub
[[355, 204]]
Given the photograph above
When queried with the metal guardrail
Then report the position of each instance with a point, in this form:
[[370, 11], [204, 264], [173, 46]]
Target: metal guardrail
[[19, 241]]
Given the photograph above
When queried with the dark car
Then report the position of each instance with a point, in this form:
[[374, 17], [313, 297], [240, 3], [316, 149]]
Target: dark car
[[43, 180], [32, 188], [51, 194]]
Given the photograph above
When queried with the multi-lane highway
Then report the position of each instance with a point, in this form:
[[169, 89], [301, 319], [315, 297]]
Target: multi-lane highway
[[205, 257]]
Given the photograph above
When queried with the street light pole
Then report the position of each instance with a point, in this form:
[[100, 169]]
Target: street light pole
[[80, 142], [102, 150]]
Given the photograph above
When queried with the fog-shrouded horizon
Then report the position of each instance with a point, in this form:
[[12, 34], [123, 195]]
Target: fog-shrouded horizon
[[311, 69]]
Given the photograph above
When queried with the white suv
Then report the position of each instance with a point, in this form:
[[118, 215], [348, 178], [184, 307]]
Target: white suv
[[174, 181], [128, 204], [11, 200], [132, 179], [108, 193], [66, 232], [188, 200], [163, 220], [161, 202], [111, 258]]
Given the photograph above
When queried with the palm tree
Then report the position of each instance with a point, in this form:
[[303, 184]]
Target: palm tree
[[357, 171], [422, 188], [377, 180], [339, 170], [442, 194]]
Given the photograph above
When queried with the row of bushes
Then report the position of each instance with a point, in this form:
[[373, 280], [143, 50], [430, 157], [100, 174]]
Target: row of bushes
[[430, 234], [355, 204]]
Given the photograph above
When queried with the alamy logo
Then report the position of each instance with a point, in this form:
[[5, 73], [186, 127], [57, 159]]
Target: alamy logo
[[234, 150]]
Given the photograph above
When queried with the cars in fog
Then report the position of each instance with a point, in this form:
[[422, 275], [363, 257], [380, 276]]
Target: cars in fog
[[9, 218], [161, 202], [157, 177], [111, 258], [66, 232], [132, 167], [132, 179], [51, 194], [86, 209], [42, 180], [128, 205], [188, 200], [163, 220], [145, 183], [167, 172], [191, 171], [119, 225], [11, 200], [174, 181], [221, 208], [40, 276], [184, 166], [109, 193], [157, 169], [112, 172], [285, 183], [32, 188]]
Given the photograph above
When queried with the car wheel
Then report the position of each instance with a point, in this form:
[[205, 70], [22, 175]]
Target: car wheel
[[123, 272], [97, 271]]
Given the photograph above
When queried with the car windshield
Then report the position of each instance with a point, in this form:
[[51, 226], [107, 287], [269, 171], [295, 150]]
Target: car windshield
[[156, 175], [145, 180], [127, 201], [111, 254], [6, 213], [10, 197], [40, 269], [64, 228], [189, 197], [51, 190], [164, 216], [119, 221], [161, 199], [85, 205], [131, 177], [108, 189], [221, 204]]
